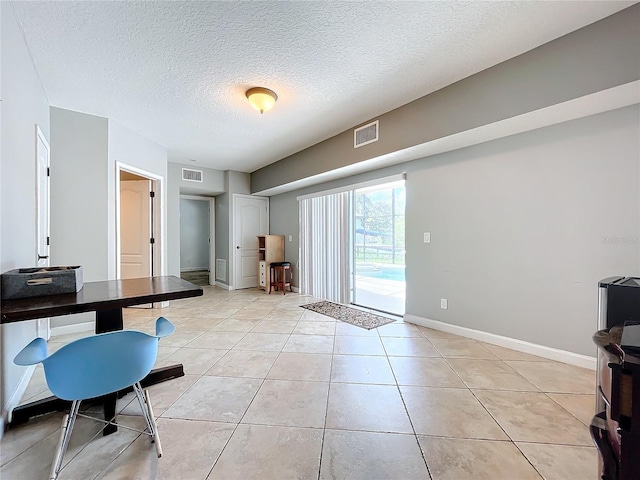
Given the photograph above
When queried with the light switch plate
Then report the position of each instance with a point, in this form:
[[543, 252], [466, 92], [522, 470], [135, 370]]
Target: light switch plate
[[444, 304], [291, 238], [427, 237]]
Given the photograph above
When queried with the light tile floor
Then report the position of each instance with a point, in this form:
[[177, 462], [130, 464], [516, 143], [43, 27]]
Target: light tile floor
[[272, 391]]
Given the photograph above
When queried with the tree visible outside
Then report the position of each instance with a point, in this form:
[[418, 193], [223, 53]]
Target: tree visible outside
[[380, 226]]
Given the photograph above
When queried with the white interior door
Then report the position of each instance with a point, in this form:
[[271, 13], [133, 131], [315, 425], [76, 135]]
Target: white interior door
[[250, 219], [42, 215], [135, 229]]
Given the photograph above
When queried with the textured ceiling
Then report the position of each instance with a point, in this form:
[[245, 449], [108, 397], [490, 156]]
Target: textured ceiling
[[176, 72]]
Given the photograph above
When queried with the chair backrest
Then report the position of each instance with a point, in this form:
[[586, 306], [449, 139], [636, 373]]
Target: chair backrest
[[97, 365], [101, 364]]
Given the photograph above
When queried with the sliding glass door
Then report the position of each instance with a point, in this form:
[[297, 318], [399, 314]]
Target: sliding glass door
[[379, 247], [352, 245]]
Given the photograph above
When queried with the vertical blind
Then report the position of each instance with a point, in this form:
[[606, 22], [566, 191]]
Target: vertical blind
[[324, 246]]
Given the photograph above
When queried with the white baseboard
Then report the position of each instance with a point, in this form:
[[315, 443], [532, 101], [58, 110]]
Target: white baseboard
[[295, 289], [194, 269], [564, 356], [1, 426], [73, 328], [224, 286], [14, 399]]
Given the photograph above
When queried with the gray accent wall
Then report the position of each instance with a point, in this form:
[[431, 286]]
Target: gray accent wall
[[213, 183], [235, 182], [79, 191], [284, 220], [597, 57], [84, 152], [24, 105], [522, 228], [223, 210], [130, 148], [216, 183], [194, 234]]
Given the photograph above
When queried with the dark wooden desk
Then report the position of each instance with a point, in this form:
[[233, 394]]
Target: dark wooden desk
[[107, 299]]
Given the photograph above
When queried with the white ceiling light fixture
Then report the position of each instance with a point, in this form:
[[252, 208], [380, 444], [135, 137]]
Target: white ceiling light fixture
[[262, 99]]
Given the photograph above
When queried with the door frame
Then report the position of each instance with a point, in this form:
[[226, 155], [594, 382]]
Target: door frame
[[159, 227], [43, 325], [232, 235], [212, 233]]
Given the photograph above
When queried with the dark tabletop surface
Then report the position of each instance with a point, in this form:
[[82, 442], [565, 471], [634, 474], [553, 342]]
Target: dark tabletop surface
[[94, 296]]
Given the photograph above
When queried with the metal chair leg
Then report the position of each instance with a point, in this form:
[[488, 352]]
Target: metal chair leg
[[152, 418], [137, 388], [65, 434], [144, 399]]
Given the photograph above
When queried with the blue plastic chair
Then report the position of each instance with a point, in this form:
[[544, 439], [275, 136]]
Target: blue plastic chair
[[95, 366]]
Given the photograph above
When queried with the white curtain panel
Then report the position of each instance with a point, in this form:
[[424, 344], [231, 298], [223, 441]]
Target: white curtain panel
[[324, 250]]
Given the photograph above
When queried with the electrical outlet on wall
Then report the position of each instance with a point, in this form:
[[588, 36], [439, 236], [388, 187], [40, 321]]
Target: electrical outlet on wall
[[427, 237], [444, 304], [291, 238]]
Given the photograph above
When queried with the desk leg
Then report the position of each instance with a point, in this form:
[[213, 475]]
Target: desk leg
[[22, 413], [109, 321], [110, 413]]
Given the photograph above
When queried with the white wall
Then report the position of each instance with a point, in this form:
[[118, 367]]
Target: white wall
[[24, 104], [194, 234]]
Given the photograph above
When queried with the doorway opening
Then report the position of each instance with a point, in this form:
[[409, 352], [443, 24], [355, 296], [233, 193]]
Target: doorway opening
[[139, 246], [378, 235], [197, 234], [136, 226]]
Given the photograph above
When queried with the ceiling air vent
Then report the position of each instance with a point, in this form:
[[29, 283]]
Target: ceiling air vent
[[366, 134], [190, 175]]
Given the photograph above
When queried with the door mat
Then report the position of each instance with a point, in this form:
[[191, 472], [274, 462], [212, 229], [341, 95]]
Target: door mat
[[356, 317]]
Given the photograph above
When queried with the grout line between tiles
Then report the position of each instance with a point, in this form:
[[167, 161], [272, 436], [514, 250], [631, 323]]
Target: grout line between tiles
[[262, 380], [326, 408], [248, 406], [406, 409], [503, 429]]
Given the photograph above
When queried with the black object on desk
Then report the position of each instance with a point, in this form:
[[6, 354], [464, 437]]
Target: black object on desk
[[107, 299]]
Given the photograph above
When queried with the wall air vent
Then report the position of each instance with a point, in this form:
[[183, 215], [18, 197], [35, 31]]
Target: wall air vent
[[190, 175], [221, 269], [366, 134]]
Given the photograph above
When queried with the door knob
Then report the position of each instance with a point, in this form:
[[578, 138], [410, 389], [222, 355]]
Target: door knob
[[238, 247], [42, 257]]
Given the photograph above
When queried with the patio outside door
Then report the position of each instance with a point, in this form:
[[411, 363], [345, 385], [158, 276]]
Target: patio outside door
[[379, 247]]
